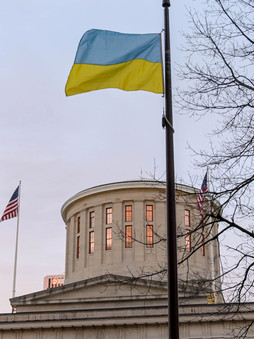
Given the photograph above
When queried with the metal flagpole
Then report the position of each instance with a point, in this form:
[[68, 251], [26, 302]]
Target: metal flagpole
[[16, 248], [211, 235], [173, 321]]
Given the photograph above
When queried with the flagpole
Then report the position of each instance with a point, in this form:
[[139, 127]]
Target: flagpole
[[211, 235], [16, 248], [173, 317]]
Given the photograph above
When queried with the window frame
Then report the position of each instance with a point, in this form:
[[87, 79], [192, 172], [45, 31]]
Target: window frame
[[188, 240], [109, 215], [149, 212], [203, 244], [78, 247], [128, 237], [128, 213], [202, 236], [187, 222], [92, 219], [149, 237], [108, 239], [91, 243], [78, 225]]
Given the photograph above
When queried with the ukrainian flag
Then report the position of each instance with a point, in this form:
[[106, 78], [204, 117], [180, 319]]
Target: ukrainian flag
[[108, 59]]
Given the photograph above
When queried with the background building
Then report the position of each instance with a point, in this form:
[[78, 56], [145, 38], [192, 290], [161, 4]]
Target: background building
[[52, 281]]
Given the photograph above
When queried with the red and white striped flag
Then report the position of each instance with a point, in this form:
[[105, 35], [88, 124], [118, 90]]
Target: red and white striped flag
[[201, 196], [11, 210]]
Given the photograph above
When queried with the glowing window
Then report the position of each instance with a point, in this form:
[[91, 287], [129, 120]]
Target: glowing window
[[128, 236], [128, 213], [188, 240], [187, 218], [91, 242], [149, 213], [201, 217], [203, 244], [108, 238], [91, 219], [149, 236], [108, 215]]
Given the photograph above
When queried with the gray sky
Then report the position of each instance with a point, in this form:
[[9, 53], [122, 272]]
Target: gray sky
[[58, 146]]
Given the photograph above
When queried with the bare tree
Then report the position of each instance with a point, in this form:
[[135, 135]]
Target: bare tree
[[218, 79]]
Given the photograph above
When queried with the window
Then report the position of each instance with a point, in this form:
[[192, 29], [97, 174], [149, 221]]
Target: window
[[108, 238], [149, 236], [78, 225], [201, 217], [149, 213], [55, 282], [128, 236], [203, 244], [78, 247], [108, 215], [188, 240], [128, 213], [149, 227], [187, 218], [91, 219], [91, 242], [78, 239], [202, 235], [128, 227]]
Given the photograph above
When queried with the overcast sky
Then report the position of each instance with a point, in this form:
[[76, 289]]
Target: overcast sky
[[58, 146]]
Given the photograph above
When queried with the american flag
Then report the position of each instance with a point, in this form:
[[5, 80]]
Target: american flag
[[203, 190], [11, 210]]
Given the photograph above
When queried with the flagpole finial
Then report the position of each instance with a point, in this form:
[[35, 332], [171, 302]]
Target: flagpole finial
[[166, 3]]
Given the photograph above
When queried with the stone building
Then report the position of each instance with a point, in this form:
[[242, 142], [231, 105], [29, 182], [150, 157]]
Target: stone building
[[115, 280], [53, 281], [120, 229]]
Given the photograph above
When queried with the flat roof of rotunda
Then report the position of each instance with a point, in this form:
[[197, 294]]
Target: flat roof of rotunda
[[131, 184]]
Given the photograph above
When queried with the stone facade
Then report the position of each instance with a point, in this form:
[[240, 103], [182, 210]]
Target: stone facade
[[110, 307], [110, 290], [139, 258]]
